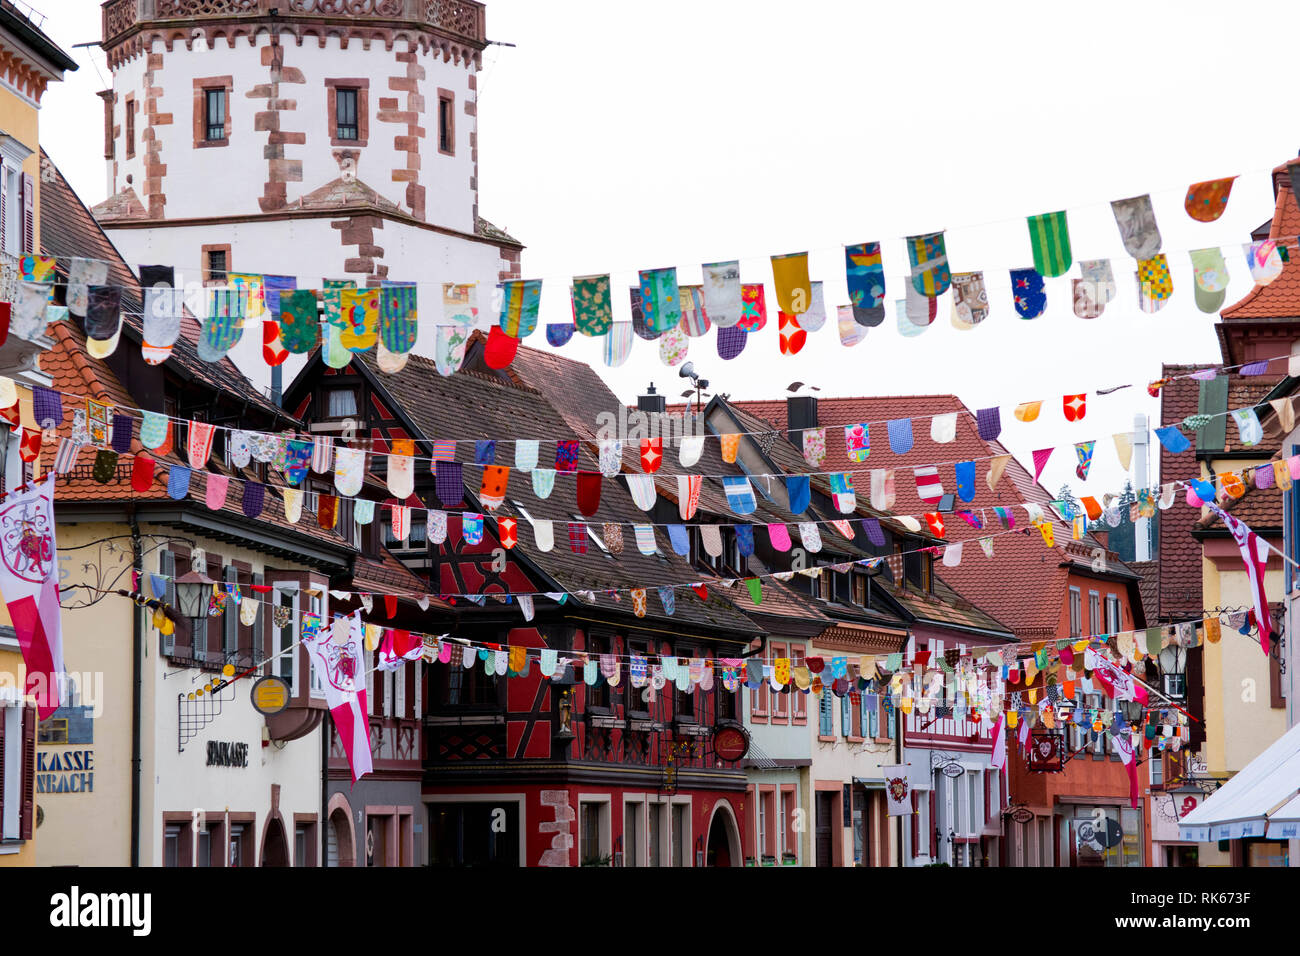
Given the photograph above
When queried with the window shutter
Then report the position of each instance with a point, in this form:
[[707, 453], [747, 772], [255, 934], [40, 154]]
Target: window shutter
[[370, 682], [259, 645], [916, 823], [167, 568], [890, 714], [934, 826], [29, 213], [419, 690], [27, 805], [230, 620], [1213, 400], [401, 677], [4, 207], [846, 722]]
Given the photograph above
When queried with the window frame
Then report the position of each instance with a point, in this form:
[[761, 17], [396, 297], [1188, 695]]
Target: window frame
[[361, 85], [1076, 611], [204, 88], [128, 125], [799, 700], [780, 709], [446, 131]]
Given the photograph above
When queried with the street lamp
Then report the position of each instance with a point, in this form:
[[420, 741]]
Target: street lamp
[[1173, 663], [192, 591]]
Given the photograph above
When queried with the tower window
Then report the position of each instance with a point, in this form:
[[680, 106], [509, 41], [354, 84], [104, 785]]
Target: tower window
[[215, 114], [446, 122], [130, 126], [345, 106], [217, 265]]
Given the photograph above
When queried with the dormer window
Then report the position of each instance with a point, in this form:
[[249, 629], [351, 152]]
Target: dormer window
[[859, 588], [340, 402]]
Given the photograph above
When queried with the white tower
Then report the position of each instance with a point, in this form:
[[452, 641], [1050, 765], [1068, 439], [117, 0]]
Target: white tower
[[308, 138]]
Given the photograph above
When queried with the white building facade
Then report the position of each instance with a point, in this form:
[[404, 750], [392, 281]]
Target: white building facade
[[316, 139]]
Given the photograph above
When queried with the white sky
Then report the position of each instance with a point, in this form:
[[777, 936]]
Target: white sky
[[615, 137]]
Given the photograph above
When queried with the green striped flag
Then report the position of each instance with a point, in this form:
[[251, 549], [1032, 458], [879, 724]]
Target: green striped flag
[[1050, 238]]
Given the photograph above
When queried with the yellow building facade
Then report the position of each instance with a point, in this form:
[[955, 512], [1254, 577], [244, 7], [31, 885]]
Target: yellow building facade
[[29, 62]]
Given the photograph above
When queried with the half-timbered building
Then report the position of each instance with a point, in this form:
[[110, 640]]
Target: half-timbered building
[[521, 768]]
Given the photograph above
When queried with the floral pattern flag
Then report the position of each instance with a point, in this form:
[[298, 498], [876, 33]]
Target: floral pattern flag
[[593, 306]]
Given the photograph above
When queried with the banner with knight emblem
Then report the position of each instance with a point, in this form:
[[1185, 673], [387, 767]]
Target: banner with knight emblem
[[29, 584], [341, 667], [898, 789]]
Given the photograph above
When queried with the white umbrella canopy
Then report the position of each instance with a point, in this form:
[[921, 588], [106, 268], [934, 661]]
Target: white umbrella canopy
[[1262, 800]]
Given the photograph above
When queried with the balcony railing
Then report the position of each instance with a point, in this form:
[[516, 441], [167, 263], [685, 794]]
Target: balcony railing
[[459, 18]]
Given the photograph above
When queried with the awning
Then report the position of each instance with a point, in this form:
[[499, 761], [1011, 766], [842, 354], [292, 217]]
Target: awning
[[1263, 800]]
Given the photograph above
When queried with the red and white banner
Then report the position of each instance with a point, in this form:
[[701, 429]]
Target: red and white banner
[[29, 582], [1118, 683], [998, 758], [1254, 553], [1124, 746], [341, 666]]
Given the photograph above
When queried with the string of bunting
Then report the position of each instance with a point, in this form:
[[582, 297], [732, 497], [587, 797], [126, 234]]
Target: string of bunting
[[950, 554], [471, 524], [958, 682], [110, 433], [49, 403], [386, 319]]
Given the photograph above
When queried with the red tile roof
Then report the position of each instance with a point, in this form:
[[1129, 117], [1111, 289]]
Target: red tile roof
[[1281, 297]]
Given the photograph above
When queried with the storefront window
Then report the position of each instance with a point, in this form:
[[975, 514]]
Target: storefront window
[[1266, 853], [1106, 836]]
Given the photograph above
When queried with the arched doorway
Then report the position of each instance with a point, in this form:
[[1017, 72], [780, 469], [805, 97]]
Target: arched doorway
[[723, 848], [340, 840], [340, 848], [275, 846]]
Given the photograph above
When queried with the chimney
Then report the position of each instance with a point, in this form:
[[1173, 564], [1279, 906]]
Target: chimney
[[651, 401], [800, 413], [1103, 538]]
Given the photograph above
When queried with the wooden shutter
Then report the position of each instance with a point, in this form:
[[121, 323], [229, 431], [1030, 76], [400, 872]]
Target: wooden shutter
[[167, 567], [934, 825], [27, 805], [29, 213], [258, 638], [1213, 400], [4, 207], [916, 824], [419, 690], [230, 620]]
